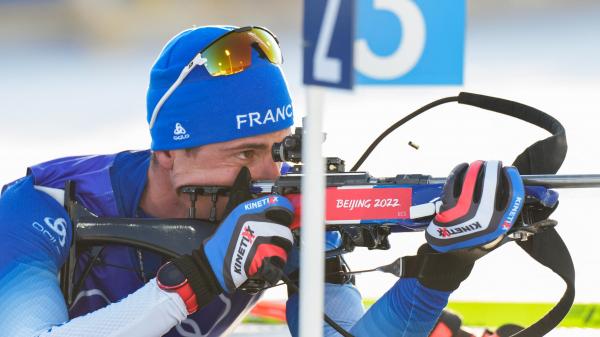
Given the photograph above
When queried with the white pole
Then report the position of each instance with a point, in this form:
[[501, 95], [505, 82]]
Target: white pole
[[312, 232]]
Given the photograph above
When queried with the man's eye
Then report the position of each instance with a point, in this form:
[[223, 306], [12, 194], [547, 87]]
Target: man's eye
[[246, 155]]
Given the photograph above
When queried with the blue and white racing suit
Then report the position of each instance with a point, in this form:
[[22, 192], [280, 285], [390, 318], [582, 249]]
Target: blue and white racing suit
[[119, 296]]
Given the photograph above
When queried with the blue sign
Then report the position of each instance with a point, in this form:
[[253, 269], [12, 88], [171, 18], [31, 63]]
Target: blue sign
[[410, 41], [328, 43]]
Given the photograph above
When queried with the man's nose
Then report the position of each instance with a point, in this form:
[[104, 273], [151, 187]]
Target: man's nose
[[267, 169]]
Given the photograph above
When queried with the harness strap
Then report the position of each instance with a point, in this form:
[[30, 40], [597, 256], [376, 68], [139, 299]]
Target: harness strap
[[549, 250], [548, 247], [543, 157]]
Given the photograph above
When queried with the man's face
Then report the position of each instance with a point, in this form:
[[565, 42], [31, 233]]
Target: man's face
[[218, 164]]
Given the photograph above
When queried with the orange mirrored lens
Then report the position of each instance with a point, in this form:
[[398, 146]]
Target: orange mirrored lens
[[233, 53], [268, 45]]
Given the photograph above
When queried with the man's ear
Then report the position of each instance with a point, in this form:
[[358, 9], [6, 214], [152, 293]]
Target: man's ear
[[164, 159]]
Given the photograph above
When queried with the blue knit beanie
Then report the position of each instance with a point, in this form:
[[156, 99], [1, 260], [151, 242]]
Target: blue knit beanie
[[206, 109]]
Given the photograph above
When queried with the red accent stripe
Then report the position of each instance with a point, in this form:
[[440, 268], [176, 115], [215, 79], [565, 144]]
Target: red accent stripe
[[263, 251], [189, 297], [466, 196]]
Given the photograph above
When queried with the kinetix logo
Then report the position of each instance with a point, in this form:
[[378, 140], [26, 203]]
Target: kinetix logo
[[445, 232], [247, 239]]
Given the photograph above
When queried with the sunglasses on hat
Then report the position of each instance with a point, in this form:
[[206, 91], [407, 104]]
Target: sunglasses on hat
[[231, 53]]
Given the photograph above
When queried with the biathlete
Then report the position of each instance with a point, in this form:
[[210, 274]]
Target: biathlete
[[217, 101]]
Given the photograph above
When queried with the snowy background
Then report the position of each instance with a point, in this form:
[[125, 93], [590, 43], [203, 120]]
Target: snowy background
[[73, 76]]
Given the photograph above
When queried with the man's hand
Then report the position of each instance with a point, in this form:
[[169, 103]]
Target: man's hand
[[480, 203], [251, 245]]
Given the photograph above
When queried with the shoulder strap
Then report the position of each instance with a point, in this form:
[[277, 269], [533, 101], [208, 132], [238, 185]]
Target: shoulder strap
[[548, 247], [549, 250], [543, 157]]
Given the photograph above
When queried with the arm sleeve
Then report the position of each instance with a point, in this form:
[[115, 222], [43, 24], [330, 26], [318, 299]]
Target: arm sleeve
[[147, 312], [343, 304], [35, 236], [408, 309]]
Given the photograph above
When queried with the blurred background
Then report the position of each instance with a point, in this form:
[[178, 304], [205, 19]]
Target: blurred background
[[73, 76]]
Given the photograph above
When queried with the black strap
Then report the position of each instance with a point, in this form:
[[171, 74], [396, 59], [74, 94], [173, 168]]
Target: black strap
[[336, 272], [544, 156], [549, 250], [199, 276], [434, 270], [547, 247]]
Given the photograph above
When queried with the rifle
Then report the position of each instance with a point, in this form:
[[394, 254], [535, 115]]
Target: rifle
[[365, 209], [357, 219]]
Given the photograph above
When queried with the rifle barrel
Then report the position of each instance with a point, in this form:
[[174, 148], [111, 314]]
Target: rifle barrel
[[552, 181], [359, 178]]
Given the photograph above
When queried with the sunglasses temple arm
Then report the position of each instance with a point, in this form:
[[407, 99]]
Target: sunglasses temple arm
[[197, 61]]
